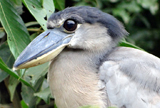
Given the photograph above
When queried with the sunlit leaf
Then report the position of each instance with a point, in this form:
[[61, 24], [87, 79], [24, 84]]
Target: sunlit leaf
[[40, 10], [48, 5], [23, 104], [17, 35], [152, 5], [127, 44]]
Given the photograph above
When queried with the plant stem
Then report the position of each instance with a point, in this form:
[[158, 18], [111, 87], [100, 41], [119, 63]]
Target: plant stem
[[29, 29]]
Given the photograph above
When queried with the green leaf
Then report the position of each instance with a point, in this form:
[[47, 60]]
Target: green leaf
[[23, 104], [6, 55], [32, 23], [59, 4], [13, 82], [7, 58], [35, 76], [27, 96], [44, 84], [126, 9], [40, 10], [2, 34], [122, 13], [55, 105], [44, 94], [127, 44], [17, 35], [28, 93], [131, 6], [152, 5], [49, 7], [35, 73], [18, 6], [3, 75], [114, 1], [34, 35], [4, 67], [17, 2]]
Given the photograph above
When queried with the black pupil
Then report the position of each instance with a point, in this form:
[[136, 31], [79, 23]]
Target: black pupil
[[70, 25]]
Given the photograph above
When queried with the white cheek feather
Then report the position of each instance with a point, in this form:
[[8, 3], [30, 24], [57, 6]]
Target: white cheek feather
[[92, 37]]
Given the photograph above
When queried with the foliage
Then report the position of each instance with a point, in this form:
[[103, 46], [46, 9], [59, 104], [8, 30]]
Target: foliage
[[33, 80], [30, 85]]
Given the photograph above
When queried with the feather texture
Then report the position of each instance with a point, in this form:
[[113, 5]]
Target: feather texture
[[132, 78]]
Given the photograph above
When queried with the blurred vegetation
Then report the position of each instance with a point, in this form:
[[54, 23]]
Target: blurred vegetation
[[22, 20]]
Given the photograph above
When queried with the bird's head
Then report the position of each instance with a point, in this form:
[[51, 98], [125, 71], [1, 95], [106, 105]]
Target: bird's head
[[85, 28]]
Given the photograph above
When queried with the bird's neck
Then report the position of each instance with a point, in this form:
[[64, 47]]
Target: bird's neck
[[74, 80]]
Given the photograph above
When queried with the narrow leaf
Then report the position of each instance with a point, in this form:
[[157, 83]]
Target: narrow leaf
[[17, 35], [127, 44], [40, 10], [4, 67]]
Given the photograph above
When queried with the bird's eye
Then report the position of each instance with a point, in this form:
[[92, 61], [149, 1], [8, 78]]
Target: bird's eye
[[70, 25]]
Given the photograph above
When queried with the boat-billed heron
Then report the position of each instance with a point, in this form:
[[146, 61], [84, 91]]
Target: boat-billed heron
[[87, 67]]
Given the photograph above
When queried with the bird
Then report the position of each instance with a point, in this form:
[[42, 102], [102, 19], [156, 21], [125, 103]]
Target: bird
[[87, 67]]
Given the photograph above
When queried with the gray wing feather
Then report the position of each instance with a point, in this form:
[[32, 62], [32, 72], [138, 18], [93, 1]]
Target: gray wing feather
[[132, 78]]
